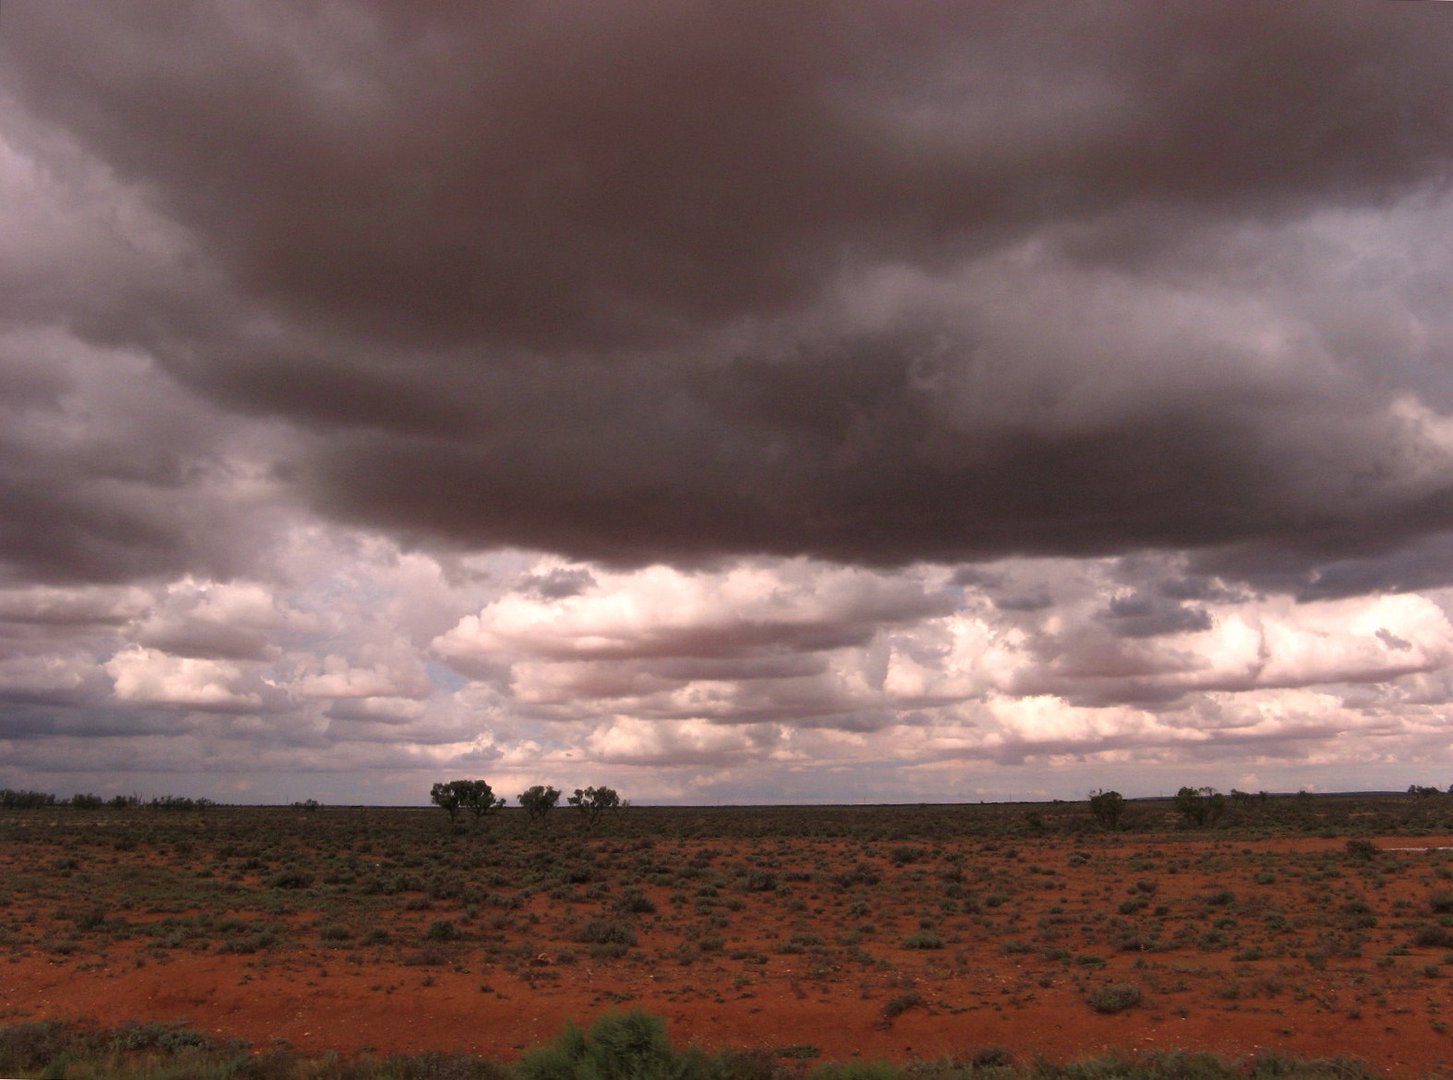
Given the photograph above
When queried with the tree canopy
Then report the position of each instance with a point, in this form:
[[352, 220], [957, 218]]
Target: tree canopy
[[475, 796], [539, 800], [594, 801]]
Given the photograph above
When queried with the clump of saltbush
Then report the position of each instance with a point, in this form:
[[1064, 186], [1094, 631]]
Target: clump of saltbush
[[1114, 998]]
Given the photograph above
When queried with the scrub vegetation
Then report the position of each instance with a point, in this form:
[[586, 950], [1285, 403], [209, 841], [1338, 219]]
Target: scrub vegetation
[[618, 1046], [790, 937]]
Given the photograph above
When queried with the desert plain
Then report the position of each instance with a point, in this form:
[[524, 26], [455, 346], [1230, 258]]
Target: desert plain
[[1314, 925]]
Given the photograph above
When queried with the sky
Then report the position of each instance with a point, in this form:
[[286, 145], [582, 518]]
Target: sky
[[726, 402]]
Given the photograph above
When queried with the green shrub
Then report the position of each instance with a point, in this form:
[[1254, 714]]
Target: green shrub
[[1434, 937], [168, 1037], [1114, 998], [861, 874], [798, 1051], [608, 932], [619, 1046], [635, 902], [1362, 850], [899, 1004], [855, 1070], [32, 1046], [992, 1057], [290, 879]]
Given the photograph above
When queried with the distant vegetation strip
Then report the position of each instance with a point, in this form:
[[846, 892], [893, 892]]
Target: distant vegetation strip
[[618, 1046], [1423, 808]]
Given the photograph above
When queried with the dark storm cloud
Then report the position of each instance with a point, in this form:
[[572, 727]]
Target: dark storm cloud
[[601, 279], [1142, 616], [1392, 641], [1320, 570], [563, 171], [1189, 587], [87, 532], [23, 721], [559, 583], [828, 456], [1027, 602], [110, 473]]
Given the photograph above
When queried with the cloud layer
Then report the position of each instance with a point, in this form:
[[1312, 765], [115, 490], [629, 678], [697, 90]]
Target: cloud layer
[[724, 396]]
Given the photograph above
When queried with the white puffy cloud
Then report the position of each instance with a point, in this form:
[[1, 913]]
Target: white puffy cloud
[[77, 606], [148, 677], [50, 676], [719, 683], [240, 620], [631, 741], [392, 671], [749, 609]]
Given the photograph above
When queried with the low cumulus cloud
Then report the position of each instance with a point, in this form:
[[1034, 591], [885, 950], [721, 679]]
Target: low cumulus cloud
[[691, 388]]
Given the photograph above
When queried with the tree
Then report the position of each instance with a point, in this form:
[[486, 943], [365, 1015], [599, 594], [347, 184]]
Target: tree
[[1108, 807], [1200, 806], [594, 801], [476, 796], [479, 798], [539, 801], [450, 796]]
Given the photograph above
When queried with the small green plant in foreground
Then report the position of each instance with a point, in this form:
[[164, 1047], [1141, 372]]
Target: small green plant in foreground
[[617, 1046]]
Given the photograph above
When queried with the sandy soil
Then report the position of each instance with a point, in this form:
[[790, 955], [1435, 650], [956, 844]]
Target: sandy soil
[[1297, 972]]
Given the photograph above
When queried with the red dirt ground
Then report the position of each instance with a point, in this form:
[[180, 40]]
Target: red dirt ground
[[974, 992]]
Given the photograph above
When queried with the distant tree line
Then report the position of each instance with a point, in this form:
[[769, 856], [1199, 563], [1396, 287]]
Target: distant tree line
[[25, 800], [1201, 807], [1418, 791], [11, 799], [477, 797], [1197, 806]]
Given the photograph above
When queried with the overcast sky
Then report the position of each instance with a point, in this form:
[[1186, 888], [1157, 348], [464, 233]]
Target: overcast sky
[[725, 402]]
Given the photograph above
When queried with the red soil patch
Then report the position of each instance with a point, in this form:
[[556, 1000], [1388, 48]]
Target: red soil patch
[[1311, 954]]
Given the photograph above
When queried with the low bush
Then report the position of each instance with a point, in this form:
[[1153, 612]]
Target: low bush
[[1434, 937], [1362, 850], [635, 902], [618, 1046], [1114, 998], [899, 1004], [607, 932], [290, 879]]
